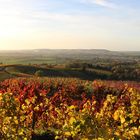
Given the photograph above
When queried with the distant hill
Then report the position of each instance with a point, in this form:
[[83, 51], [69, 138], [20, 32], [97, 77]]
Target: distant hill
[[59, 56], [68, 51]]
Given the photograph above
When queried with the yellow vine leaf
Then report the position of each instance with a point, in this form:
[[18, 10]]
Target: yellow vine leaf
[[116, 115], [72, 120]]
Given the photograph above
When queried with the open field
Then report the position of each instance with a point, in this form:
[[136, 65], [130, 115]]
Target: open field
[[65, 56], [83, 64]]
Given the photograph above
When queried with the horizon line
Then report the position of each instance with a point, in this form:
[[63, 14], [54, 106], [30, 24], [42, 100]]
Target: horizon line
[[69, 49]]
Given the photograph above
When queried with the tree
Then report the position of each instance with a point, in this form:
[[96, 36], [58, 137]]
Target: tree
[[39, 73]]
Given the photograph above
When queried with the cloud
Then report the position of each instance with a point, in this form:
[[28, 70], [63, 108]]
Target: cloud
[[103, 3]]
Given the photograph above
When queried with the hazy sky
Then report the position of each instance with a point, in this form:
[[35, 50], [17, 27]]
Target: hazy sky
[[93, 24]]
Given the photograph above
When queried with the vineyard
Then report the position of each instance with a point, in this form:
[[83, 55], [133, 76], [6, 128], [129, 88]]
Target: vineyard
[[69, 109]]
